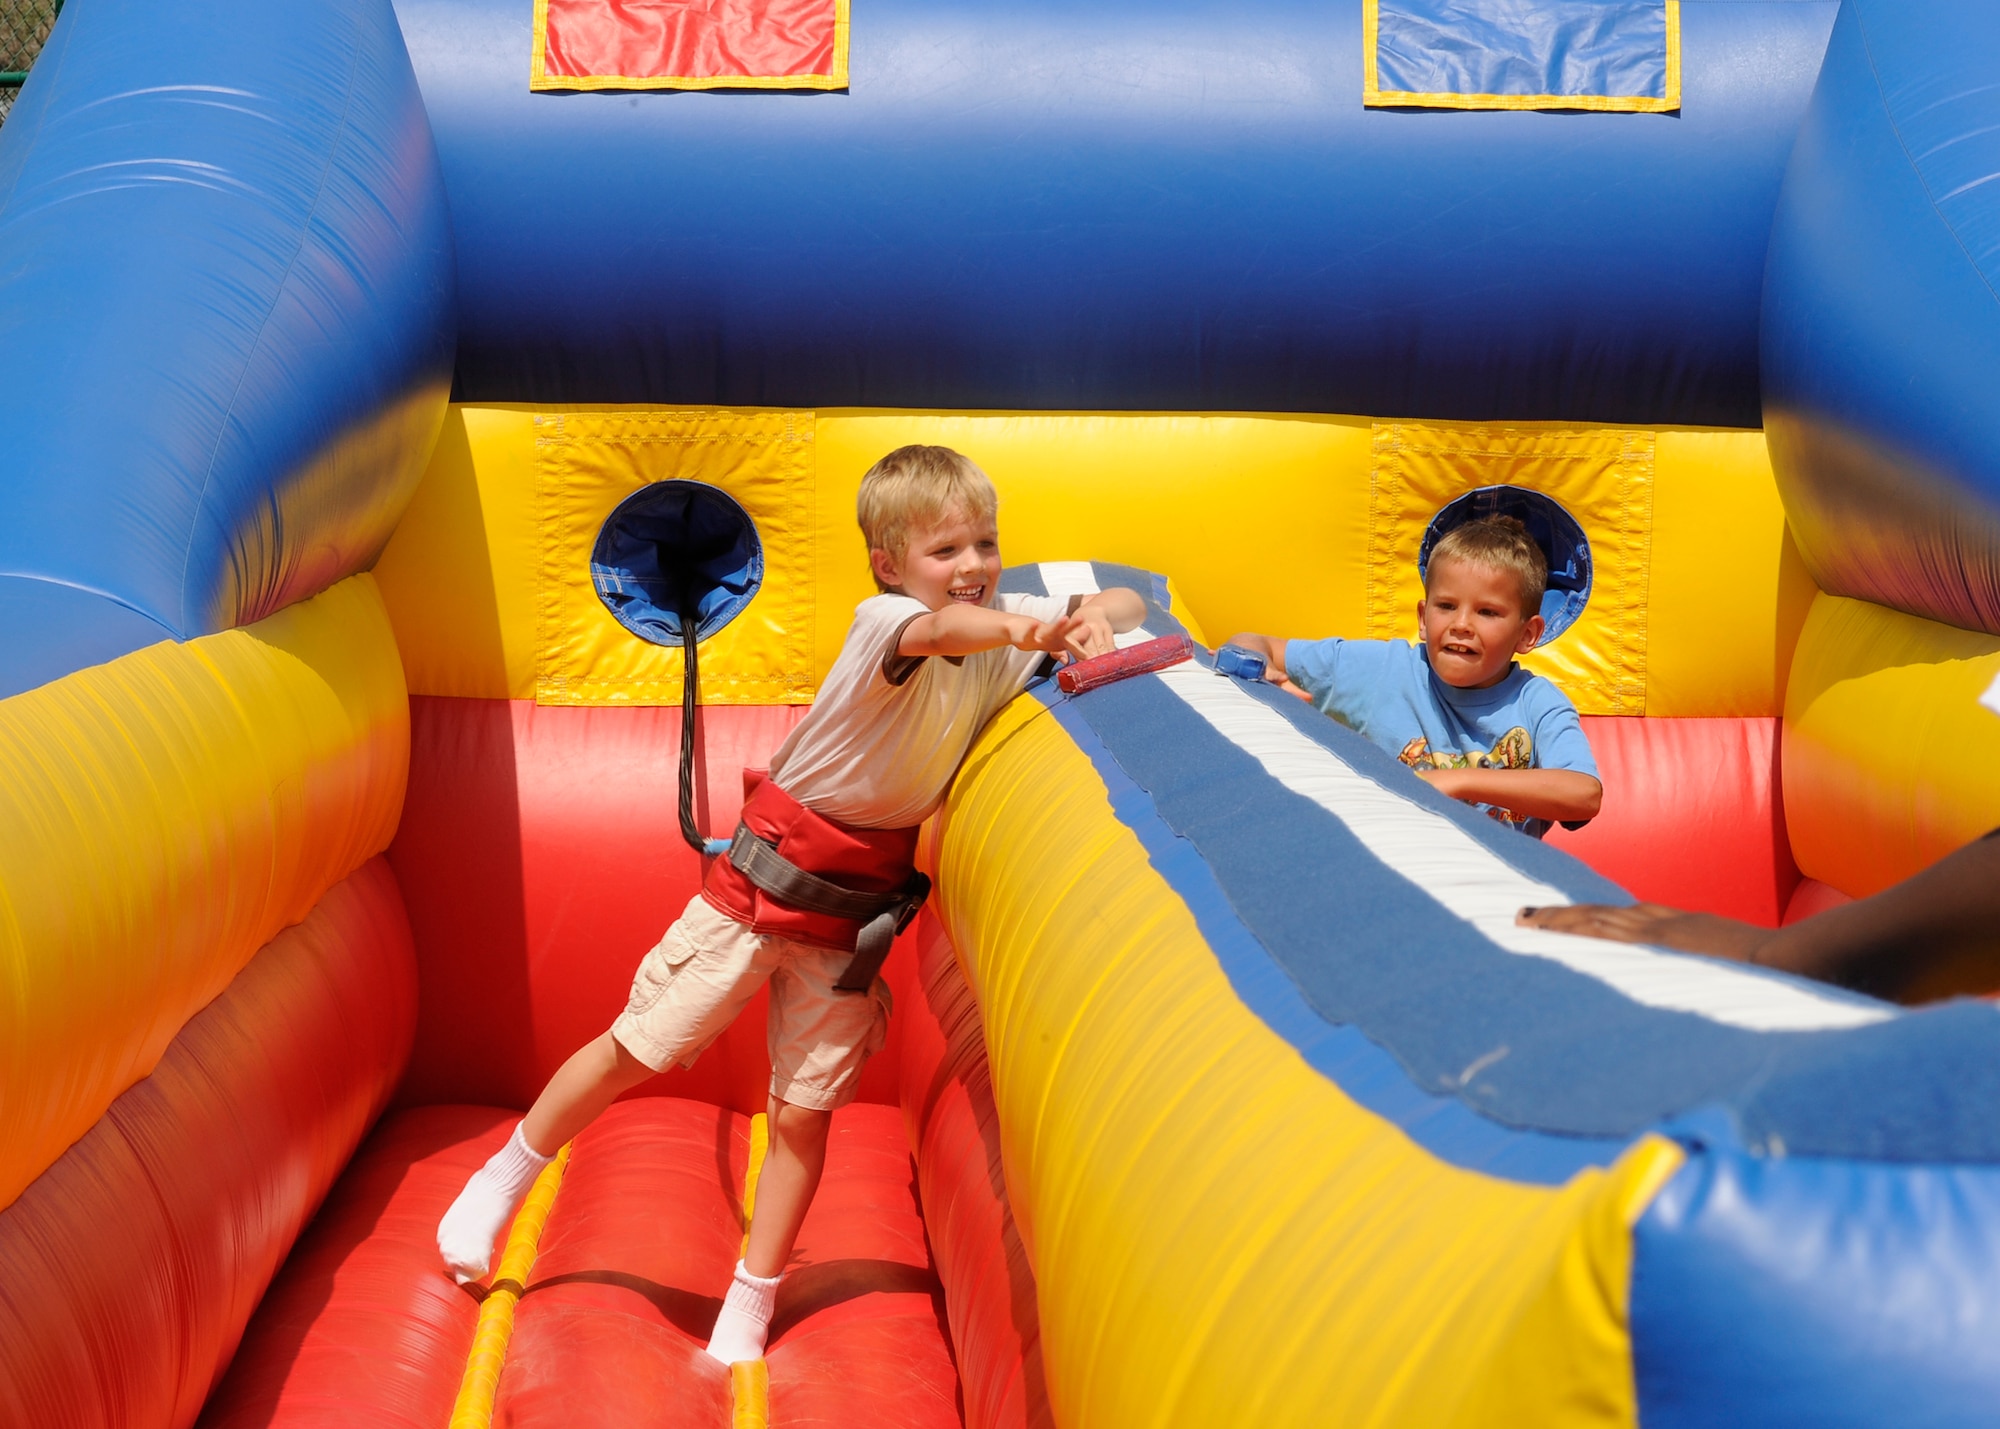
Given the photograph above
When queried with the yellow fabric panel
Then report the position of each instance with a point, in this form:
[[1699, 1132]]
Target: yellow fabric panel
[[161, 818], [1603, 476], [1177, 604], [1887, 763], [1729, 590], [1219, 1235], [488, 577], [459, 575], [590, 461], [1259, 520]]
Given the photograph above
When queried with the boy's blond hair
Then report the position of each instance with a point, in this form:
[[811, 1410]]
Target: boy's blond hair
[[1499, 543], [917, 486]]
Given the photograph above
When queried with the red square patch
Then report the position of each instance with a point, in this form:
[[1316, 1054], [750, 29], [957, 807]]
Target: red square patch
[[689, 44]]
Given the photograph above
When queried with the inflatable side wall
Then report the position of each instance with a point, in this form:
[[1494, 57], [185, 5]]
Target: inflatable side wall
[[229, 319], [226, 283]]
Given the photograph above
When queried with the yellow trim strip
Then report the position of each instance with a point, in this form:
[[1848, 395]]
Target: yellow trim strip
[[1673, 99], [1371, 38], [540, 78], [750, 1389], [760, 1143], [1373, 96], [476, 1392], [750, 1380]]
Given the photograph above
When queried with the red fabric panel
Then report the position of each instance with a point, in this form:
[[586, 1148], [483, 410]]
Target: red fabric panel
[[635, 39], [1693, 815], [633, 1265], [859, 1336], [989, 1285], [1812, 896], [128, 1268], [540, 857], [363, 1326]]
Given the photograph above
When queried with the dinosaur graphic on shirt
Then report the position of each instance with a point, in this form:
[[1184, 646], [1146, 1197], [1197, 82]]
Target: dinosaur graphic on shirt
[[1513, 750]]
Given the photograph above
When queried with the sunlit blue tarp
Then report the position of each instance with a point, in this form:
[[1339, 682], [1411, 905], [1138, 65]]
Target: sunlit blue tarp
[[1598, 54]]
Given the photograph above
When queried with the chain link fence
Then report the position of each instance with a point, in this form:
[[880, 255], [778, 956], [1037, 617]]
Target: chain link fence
[[24, 25]]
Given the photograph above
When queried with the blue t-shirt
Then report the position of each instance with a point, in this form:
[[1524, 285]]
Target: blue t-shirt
[[1384, 689]]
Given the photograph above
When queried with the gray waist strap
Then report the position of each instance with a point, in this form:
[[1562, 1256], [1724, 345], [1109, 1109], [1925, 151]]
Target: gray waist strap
[[881, 915]]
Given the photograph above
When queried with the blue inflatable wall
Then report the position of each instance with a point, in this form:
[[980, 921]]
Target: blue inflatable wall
[[226, 319], [1131, 204], [1882, 314]]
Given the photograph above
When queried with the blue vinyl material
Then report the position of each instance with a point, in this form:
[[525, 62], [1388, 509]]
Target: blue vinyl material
[[677, 545], [1881, 321], [1796, 1293], [1132, 204], [226, 318], [1328, 915], [1570, 47]]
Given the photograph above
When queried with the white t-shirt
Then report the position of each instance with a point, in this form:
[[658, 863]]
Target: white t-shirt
[[888, 731]]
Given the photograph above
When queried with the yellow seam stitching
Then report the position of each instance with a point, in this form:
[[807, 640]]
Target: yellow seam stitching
[[750, 1393], [760, 1144], [1371, 32], [481, 1384], [1673, 54], [1619, 104], [731, 81], [750, 1380], [537, 56]]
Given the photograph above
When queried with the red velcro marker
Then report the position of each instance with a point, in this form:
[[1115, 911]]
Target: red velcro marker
[[1106, 669]]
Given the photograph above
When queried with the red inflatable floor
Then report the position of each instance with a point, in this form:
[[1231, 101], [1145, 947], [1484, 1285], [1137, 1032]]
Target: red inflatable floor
[[362, 1327]]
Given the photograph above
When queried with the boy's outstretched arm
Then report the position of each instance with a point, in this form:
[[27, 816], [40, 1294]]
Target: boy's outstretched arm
[[1272, 648], [968, 629], [1558, 795], [1087, 629]]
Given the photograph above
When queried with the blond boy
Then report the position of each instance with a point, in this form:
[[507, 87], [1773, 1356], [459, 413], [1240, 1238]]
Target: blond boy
[[1456, 707], [926, 663]]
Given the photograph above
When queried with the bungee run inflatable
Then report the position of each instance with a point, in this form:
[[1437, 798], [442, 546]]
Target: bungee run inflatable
[[394, 399]]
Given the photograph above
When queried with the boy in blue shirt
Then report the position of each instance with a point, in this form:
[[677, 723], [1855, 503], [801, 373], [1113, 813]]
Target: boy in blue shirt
[[1457, 708]]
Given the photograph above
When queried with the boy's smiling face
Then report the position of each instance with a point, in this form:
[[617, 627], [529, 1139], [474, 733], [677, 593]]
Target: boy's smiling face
[[954, 561], [1473, 624]]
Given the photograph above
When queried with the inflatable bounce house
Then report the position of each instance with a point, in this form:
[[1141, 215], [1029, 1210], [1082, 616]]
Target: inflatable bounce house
[[395, 398]]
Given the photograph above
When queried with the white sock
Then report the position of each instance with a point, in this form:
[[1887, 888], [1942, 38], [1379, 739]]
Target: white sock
[[745, 1318], [486, 1207]]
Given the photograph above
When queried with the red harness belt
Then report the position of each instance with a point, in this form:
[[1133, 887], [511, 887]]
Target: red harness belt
[[866, 861]]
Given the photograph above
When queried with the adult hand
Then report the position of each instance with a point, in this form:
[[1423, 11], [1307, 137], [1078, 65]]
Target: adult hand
[[1653, 923]]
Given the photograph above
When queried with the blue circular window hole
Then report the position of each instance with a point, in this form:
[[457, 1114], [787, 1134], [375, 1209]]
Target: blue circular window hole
[[675, 551], [1555, 531]]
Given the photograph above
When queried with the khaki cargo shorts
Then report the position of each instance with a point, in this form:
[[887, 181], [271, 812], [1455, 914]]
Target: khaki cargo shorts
[[696, 980]]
